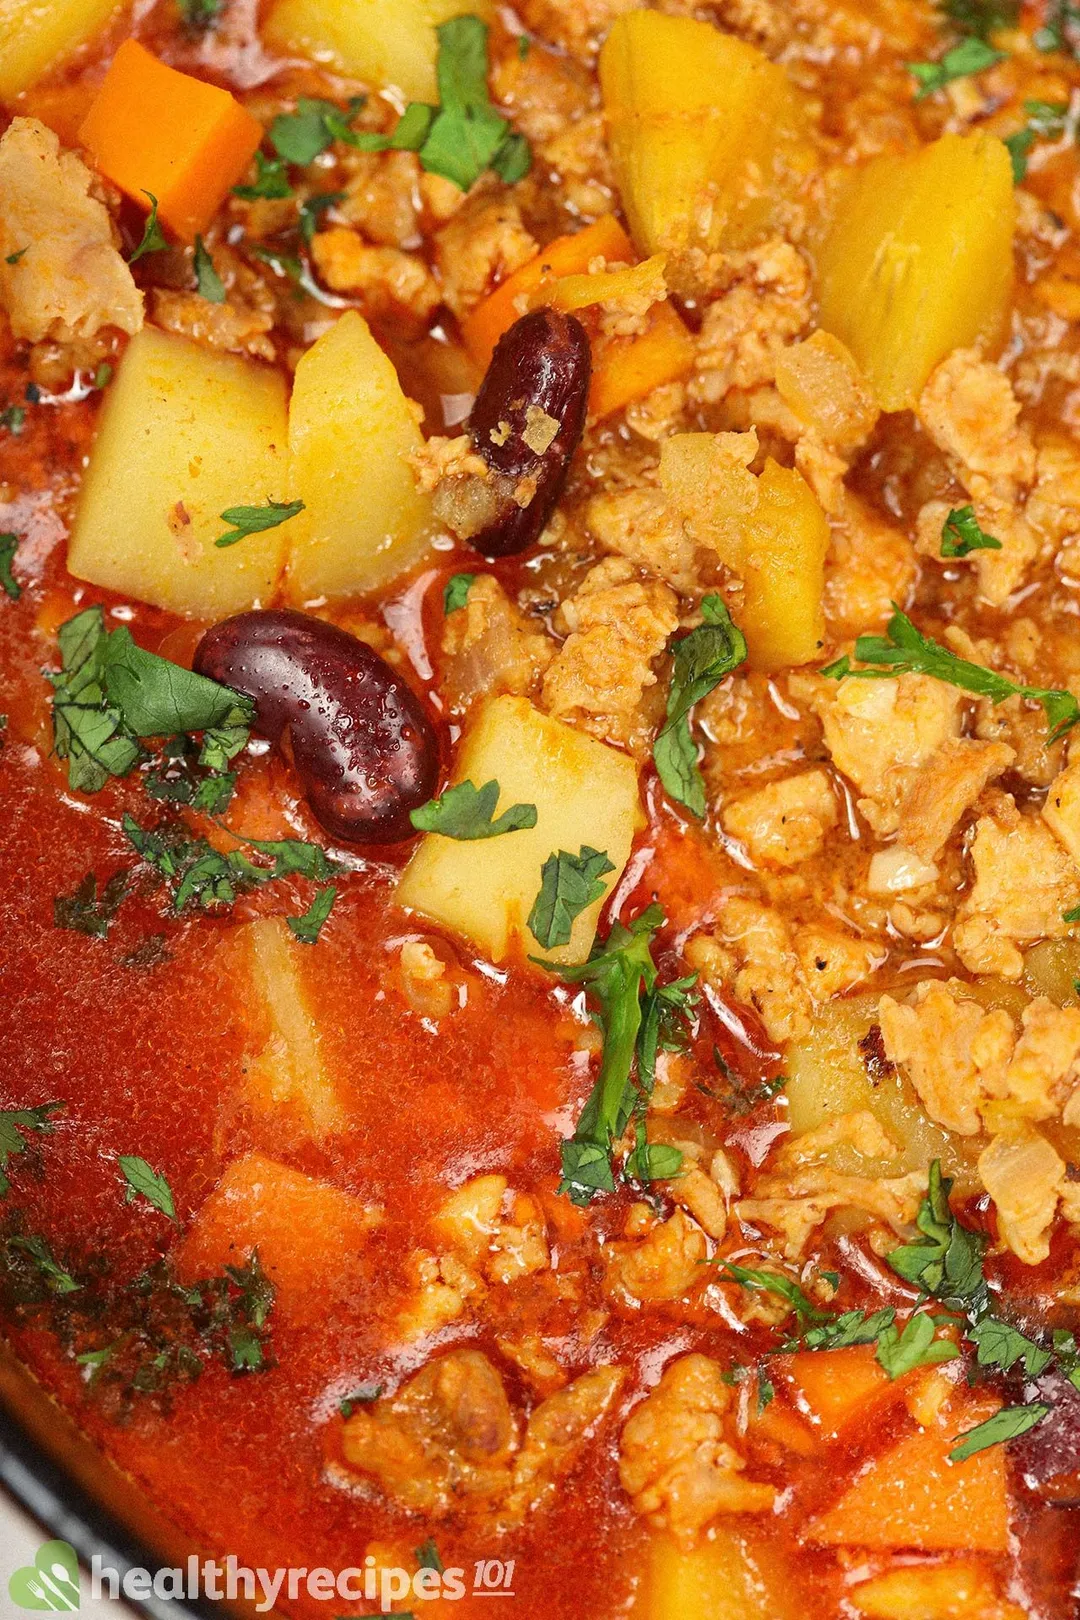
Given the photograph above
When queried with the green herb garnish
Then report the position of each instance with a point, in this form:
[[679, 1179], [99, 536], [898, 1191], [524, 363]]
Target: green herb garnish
[[899, 1350], [1061, 28], [359, 1397], [312, 211], [13, 258], [467, 812], [199, 14], [9, 544], [456, 593], [142, 1179], [308, 927], [1047, 121], [13, 419], [198, 874], [153, 240], [700, 661], [88, 912], [569, 884], [947, 1260], [300, 136], [972, 55], [906, 650], [980, 17], [52, 1274], [208, 283], [1008, 1424], [247, 520], [271, 180], [427, 1556], [12, 1122], [961, 534]]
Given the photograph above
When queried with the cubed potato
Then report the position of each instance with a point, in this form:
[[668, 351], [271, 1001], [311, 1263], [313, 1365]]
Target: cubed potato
[[917, 260], [703, 131], [769, 530], [829, 1075], [725, 1577], [584, 793], [185, 432], [309, 1234], [1052, 968], [286, 1070], [380, 41], [350, 431], [35, 37]]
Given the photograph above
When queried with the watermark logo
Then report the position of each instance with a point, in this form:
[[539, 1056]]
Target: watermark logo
[[50, 1582]]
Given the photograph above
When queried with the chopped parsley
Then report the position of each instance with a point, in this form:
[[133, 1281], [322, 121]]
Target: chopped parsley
[[208, 284], [110, 692], [153, 239], [999, 1344], [971, 55], [1047, 121], [981, 17], [784, 1287], [142, 1179], [961, 534], [282, 264], [247, 520], [182, 779], [700, 661], [53, 1275], [635, 1016], [899, 1350], [86, 911], [457, 591], [427, 1556], [271, 180], [1008, 1424], [13, 419], [467, 812], [13, 258], [904, 649], [947, 1260], [196, 873], [199, 14], [313, 209], [569, 885], [308, 927], [1061, 28], [464, 135], [9, 544], [300, 136], [12, 1122], [363, 1396]]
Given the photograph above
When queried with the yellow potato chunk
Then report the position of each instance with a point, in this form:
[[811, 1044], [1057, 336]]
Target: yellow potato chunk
[[725, 1577], [185, 432], [380, 41], [769, 530], [286, 1069], [917, 260], [350, 431], [703, 131], [584, 793], [36, 35], [829, 1074]]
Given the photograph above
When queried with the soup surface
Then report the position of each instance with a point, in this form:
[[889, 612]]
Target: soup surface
[[540, 896]]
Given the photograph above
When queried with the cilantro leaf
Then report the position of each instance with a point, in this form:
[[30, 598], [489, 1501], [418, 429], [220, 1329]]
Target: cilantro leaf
[[308, 927], [427, 1556], [961, 534], [981, 17], [282, 264], [312, 211], [947, 1262], [153, 241], [292, 858], [700, 661], [208, 283], [55, 1278], [775, 1282], [904, 649], [913, 1345], [199, 14], [142, 1179], [1047, 120], [271, 180], [300, 136], [652, 1161], [255, 519], [364, 1396], [87, 912], [852, 1327], [466, 811], [198, 874], [1061, 28], [972, 55], [1008, 1424], [456, 593], [569, 884], [13, 419], [8, 546], [999, 1344], [14, 1120], [157, 697]]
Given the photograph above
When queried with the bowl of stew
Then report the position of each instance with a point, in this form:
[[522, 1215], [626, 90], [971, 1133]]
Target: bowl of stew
[[540, 896]]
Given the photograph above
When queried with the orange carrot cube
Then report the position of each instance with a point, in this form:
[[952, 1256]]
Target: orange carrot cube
[[154, 130]]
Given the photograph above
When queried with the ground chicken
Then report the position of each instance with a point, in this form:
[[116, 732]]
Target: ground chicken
[[385, 279], [554, 1437], [766, 303], [1043, 1077], [235, 326], [1024, 882], [382, 196], [947, 787], [796, 1202], [882, 734], [750, 952], [68, 279], [483, 244], [619, 626], [786, 821], [677, 1464], [1024, 1176], [1053, 507], [491, 647], [833, 961], [1061, 809], [662, 1264], [871, 565], [953, 1051], [641, 525]]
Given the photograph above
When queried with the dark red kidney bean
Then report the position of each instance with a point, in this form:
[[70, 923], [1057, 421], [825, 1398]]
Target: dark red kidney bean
[[362, 745], [538, 376]]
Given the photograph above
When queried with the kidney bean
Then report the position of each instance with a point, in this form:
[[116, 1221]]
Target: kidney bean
[[362, 745], [527, 421]]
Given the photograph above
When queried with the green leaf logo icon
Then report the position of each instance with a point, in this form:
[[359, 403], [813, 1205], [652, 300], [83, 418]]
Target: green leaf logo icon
[[50, 1582]]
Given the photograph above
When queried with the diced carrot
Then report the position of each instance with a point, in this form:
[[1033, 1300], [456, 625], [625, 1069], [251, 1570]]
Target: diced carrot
[[837, 1385], [912, 1495], [152, 129], [628, 368], [565, 256], [62, 107]]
